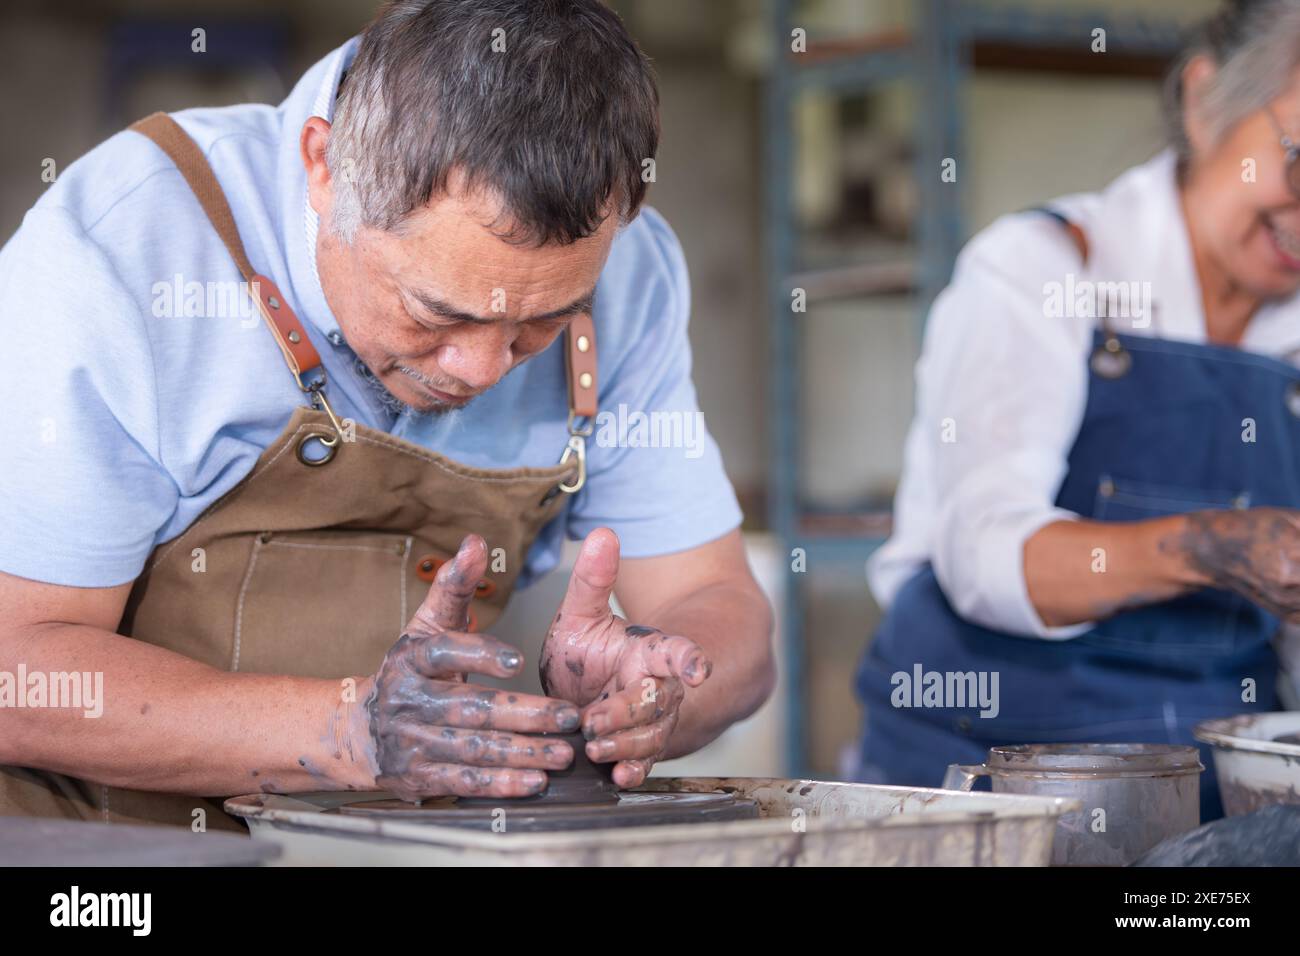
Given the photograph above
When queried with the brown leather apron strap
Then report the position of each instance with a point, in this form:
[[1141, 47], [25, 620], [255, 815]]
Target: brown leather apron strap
[[1110, 359], [1080, 239], [1072, 229], [299, 354], [581, 367]]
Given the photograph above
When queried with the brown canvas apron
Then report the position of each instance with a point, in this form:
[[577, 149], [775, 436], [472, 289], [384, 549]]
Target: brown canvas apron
[[314, 562]]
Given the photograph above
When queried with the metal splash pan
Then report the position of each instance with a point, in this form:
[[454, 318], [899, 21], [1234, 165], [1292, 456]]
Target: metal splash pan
[[801, 823]]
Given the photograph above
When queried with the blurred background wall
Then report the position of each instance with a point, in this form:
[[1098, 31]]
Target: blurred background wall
[[74, 72]]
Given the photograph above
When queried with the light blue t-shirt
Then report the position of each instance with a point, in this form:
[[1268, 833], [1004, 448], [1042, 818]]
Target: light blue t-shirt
[[123, 419]]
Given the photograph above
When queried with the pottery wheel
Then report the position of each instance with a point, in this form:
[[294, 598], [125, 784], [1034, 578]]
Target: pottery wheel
[[580, 797]]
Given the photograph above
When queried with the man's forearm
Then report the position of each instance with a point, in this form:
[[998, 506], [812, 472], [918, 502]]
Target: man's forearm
[[171, 724], [732, 623]]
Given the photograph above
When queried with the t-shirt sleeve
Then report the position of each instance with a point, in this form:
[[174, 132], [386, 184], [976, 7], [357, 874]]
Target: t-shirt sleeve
[[654, 472], [83, 491]]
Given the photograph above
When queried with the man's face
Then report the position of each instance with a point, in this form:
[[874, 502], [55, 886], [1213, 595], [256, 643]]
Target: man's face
[[441, 308]]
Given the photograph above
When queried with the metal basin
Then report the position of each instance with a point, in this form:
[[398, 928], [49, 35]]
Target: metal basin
[[1255, 770]]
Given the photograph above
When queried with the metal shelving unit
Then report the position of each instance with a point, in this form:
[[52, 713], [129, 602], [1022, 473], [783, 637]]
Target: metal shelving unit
[[946, 41]]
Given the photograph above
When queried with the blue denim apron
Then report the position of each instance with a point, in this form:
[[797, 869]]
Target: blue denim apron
[[1162, 437]]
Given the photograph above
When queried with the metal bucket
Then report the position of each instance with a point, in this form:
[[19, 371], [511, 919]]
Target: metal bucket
[[1133, 795], [1255, 769]]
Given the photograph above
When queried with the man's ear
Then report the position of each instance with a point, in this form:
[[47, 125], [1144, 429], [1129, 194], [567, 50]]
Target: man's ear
[[1197, 75], [320, 186]]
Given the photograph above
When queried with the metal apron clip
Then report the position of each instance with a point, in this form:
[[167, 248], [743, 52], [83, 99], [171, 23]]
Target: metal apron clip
[[576, 448], [330, 443], [318, 400], [1110, 359]]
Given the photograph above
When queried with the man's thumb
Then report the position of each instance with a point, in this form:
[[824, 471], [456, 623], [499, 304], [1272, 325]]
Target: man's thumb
[[594, 575]]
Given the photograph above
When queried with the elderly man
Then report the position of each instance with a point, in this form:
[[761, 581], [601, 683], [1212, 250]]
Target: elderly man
[[234, 520]]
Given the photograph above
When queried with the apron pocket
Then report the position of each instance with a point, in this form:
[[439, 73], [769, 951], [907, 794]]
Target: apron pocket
[[1122, 499], [321, 603]]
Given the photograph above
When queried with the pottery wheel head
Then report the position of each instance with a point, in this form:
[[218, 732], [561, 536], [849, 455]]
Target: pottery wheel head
[[632, 809]]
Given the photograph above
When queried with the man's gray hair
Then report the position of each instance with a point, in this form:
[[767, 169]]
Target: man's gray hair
[[548, 104], [1255, 45]]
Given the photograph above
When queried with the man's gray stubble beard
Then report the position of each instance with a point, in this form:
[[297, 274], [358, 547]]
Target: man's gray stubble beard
[[387, 399]]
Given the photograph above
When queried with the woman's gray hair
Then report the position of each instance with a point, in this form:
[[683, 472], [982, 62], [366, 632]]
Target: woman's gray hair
[[549, 104], [1255, 45]]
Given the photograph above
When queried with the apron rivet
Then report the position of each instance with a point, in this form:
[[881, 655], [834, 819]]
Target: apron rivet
[[294, 337], [273, 302], [1106, 488], [584, 343], [428, 567], [585, 380]]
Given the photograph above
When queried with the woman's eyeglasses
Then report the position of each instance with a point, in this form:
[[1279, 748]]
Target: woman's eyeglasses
[[1292, 170]]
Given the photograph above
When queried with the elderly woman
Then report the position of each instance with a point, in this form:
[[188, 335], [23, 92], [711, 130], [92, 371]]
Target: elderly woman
[[1096, 507]]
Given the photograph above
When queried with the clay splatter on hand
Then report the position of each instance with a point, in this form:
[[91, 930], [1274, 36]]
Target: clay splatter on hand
[[1254, 552], [434, 734]]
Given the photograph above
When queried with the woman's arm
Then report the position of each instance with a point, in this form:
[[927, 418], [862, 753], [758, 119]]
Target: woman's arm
[[1078, 571]]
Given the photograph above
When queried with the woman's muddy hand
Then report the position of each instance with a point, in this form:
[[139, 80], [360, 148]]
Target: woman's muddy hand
[[1254, 552], [429, 733]]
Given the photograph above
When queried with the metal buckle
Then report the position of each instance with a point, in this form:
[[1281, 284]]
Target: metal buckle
[[577, 447], [331, 449], [584, 432], [316, 390], [1111, 360], [318, 400]]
